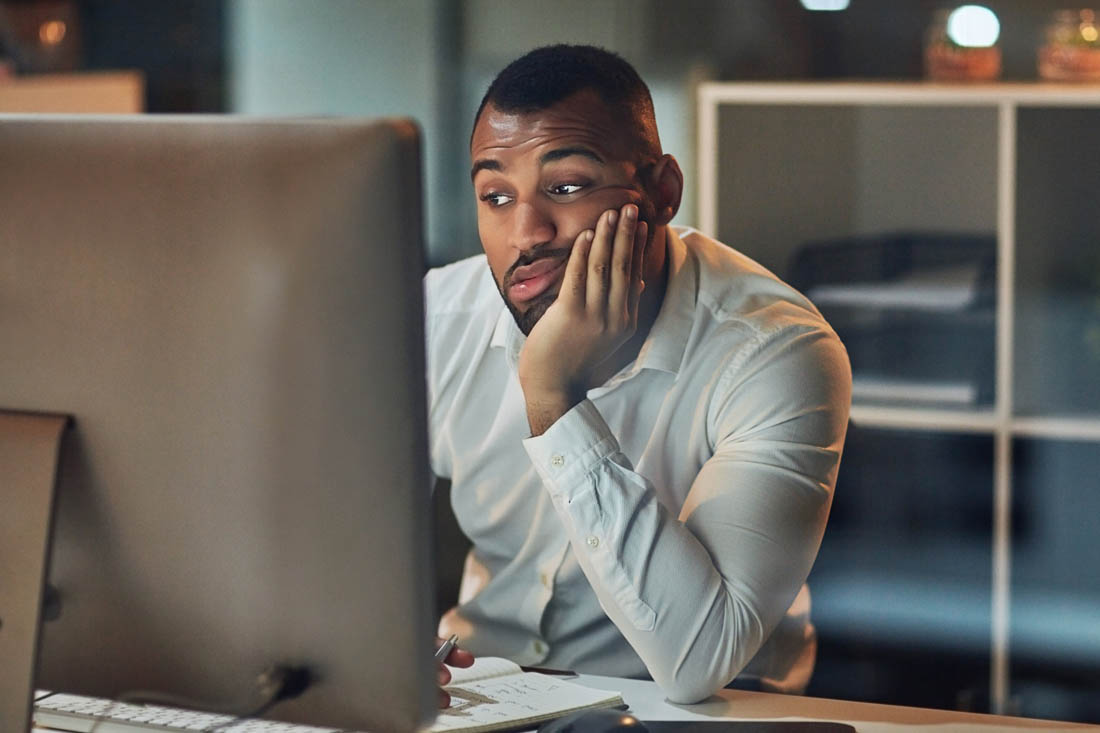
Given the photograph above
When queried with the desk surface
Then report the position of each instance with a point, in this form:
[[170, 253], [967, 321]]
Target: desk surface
[[647, 703]]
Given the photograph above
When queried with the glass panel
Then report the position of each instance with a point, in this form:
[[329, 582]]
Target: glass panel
[[1058, 263], [902, 585], [1055, 612], [885, 217]]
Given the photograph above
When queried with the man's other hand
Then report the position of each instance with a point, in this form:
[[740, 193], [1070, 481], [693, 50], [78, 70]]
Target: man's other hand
[[595, 313], [457, 658]]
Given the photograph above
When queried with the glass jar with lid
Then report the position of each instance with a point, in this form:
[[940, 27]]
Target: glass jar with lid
[[961, 45], [1070, 49]]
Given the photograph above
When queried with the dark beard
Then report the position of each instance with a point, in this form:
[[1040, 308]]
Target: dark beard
[[527, 319]]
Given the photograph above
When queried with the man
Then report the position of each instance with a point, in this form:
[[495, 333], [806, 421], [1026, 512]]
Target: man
[[642, 427]]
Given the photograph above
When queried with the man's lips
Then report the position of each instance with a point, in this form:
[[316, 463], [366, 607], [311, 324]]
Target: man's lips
[[531, 281]]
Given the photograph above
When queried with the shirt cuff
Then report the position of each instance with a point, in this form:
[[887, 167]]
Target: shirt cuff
[[570, 449]]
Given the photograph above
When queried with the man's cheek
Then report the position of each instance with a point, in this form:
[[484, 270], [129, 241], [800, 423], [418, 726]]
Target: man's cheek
[[612, 203]]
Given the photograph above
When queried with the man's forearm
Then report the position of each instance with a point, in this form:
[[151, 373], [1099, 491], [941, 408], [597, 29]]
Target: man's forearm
[[695, 595]]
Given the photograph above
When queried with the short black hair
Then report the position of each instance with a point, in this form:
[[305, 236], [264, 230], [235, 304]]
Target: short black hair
[[545, 76]]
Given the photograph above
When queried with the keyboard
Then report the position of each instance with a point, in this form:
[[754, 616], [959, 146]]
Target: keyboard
[[78, 714]]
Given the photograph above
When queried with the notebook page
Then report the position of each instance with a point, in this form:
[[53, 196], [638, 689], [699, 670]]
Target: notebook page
[[483, 668], [504, 703]]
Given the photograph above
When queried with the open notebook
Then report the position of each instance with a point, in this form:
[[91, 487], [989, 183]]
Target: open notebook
[[496, 695]]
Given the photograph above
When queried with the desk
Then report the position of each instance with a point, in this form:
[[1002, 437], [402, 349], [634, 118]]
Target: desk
[[647, 703]]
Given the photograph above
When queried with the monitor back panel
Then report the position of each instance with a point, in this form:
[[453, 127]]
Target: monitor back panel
[[232, 312]]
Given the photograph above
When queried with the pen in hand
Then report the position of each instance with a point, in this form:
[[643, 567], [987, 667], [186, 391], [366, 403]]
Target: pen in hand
[[445, 648]]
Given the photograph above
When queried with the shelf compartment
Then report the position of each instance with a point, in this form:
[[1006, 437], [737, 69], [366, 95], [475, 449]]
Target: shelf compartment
[[1057, 335], [1055, 608], [839, 203], [902, 581]]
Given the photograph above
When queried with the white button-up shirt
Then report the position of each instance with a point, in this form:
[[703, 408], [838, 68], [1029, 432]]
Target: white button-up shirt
[[664, 526]]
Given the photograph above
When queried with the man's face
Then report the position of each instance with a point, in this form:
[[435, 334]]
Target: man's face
[[542, 178]]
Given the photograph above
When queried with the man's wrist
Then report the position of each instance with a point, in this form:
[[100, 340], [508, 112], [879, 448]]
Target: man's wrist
[[546, 407]]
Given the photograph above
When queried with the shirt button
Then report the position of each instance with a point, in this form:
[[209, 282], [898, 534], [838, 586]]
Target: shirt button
[[557, 461], [544, 578], [539, 647], [593, 541]]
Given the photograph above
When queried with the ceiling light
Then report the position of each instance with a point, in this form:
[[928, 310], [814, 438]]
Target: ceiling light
[[825, 4]]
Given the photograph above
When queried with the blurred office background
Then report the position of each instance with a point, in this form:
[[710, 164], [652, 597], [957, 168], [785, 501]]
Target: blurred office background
[[904, 261]]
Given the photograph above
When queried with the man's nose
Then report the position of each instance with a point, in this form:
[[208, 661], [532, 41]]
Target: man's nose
[[531, 226]]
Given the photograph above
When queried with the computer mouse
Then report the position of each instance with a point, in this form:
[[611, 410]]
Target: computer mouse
[[595, 721]]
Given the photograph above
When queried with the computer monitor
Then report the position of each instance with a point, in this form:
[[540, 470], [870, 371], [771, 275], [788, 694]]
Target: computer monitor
[[231, 312]]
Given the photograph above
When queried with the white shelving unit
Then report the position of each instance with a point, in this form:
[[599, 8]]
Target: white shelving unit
[[960, 136]]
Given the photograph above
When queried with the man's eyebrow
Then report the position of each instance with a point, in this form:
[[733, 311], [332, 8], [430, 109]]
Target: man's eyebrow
[[485, 164], [489, 164], [560, 153]]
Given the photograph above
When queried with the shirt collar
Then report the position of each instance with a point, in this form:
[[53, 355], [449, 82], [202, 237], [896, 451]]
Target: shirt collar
[[664, 347], [506, 335]]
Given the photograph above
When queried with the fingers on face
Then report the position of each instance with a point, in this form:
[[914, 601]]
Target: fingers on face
[[599, 261], [604, 269], [637, 263], [576, 270], [622, 265]]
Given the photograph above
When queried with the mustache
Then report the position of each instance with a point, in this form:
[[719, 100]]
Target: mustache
[[529, 258]]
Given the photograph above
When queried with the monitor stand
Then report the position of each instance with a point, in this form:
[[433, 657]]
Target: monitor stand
[[30, 445]]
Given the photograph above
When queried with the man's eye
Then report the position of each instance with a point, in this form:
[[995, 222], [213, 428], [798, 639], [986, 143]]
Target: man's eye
[[496, 199], [564, 189]]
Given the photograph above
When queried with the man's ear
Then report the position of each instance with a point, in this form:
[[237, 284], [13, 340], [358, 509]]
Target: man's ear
[[667, 185]]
